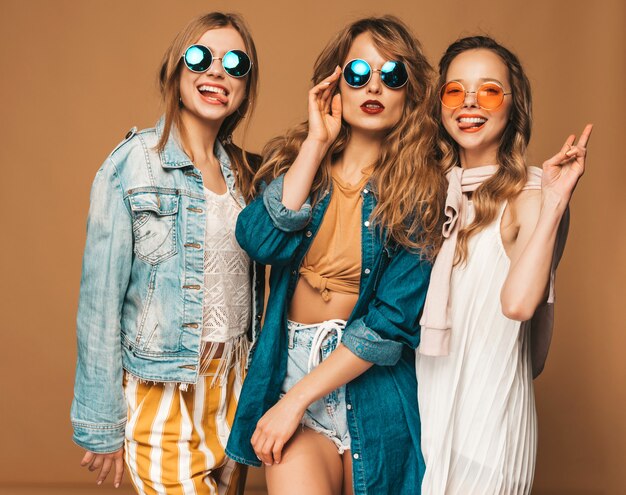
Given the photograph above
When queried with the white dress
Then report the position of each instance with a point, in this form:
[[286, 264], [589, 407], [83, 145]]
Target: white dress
[[477, 407]]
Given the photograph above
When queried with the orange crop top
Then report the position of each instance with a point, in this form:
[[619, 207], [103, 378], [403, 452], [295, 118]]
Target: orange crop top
[[333, 262]]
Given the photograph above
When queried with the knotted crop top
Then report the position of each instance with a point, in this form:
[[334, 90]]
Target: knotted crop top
[[333, 262]]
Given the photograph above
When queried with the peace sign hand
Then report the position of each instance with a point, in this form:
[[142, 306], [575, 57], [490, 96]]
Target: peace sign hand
[[562, 172]]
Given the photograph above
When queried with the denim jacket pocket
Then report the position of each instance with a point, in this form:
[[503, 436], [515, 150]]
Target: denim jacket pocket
[[154, 225]]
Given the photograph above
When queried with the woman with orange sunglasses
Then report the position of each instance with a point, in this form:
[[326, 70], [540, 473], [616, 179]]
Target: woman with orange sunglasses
[[488, 315]]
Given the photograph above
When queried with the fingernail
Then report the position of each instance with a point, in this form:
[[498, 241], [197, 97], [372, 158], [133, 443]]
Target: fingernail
[[570, 152], [326, 83], [117, 485], [99, 482], [267, 464]]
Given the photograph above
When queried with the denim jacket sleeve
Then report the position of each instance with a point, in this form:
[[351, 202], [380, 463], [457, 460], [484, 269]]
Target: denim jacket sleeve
[[269, 231], [392, 316], [99, 409]]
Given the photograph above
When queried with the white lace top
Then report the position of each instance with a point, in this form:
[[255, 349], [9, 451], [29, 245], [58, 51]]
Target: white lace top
[[227, 289]]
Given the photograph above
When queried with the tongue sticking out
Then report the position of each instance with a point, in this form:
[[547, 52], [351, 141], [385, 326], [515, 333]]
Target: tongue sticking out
[[215, 96], [470, 125]]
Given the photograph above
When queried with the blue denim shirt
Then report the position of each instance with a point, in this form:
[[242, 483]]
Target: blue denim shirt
[[383, 416], [141, 296]]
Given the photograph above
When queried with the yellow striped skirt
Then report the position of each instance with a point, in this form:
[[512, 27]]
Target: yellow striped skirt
[[175, 438]]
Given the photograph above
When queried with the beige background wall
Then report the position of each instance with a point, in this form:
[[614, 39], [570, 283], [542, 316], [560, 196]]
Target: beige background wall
[[77, 74]]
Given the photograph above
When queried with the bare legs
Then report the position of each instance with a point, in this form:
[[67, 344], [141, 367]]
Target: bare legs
[[347, 473], [310, 465]]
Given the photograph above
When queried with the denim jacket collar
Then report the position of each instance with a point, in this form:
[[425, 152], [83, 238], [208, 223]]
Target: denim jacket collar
[[173, 156]]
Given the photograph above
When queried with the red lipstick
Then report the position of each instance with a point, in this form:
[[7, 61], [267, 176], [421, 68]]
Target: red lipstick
[[372, 107]]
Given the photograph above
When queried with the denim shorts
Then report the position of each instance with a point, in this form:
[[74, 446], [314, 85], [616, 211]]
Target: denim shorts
[[308, 345]]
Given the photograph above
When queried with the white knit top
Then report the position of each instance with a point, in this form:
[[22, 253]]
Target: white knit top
[[227, 288]]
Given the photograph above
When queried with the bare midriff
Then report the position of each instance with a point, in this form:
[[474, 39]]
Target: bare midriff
[[330, 274], [308, 307]]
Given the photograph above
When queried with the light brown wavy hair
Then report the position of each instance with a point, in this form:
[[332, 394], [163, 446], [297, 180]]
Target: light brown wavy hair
[[244, 164], [510, 178], [408, 183]]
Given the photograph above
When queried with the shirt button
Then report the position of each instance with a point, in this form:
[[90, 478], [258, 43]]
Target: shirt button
[[356, 456], [293, 272], [308, 233], [365, 191], [348, 406], [366, 223], [367, 271]]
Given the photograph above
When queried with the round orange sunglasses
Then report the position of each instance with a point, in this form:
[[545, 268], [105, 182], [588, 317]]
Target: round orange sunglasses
[[489, 96]]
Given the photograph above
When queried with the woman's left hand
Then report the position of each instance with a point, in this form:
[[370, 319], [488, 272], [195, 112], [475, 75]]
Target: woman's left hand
[[275, 429], [562, 172]]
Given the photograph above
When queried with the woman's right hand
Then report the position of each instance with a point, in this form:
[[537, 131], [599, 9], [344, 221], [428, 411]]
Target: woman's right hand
[[325, 111], [105, 462], [324, 126], [562, 172]]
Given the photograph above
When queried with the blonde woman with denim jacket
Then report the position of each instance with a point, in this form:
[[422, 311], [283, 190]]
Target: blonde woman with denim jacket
[[168, 299]]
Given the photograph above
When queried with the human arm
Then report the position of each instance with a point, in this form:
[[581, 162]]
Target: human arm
[[540, 214], [268, 229], [98, 410], [324, 125], [390, 322], [279, 424]]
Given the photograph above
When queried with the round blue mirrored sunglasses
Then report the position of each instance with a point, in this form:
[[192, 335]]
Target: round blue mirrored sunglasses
[[357, 73], [198, 58]]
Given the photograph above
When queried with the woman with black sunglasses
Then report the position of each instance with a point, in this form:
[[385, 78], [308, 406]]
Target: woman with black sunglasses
[[168, 298], [348, 222]]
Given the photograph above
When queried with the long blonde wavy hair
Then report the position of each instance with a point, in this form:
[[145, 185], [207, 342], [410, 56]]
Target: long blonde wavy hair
[[510, 178], [408, 183], [244, 164]]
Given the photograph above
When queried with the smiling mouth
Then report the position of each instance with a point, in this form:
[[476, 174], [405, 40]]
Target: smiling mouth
[[471, 124], [214, 94]]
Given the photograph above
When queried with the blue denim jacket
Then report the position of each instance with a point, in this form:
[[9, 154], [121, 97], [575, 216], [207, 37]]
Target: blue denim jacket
[[140, 306], [383, 416]]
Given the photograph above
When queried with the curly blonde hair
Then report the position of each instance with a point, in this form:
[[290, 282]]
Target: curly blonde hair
[[408, 183]]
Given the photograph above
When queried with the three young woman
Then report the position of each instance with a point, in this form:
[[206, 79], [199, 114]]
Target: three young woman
[[349, 217], [490, 297], [347, 222], [166, 296]]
